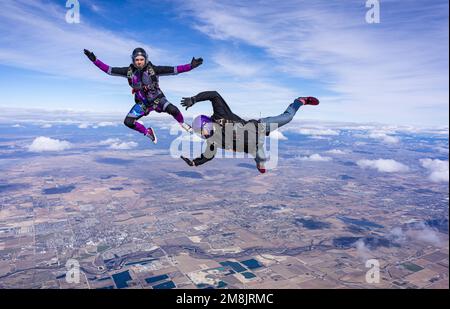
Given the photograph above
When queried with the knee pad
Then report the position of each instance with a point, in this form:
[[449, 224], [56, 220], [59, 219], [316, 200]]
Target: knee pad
[[129, 122]]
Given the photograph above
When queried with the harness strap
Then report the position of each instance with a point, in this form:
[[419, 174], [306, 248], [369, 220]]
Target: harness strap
[[150, 70], [155, 101]]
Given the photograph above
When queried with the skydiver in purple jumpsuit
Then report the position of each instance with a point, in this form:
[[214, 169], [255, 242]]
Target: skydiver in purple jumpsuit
[[143, 78]]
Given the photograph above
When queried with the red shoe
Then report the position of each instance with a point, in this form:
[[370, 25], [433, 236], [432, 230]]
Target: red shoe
[[152, 135], [309, 100], [261, 168]]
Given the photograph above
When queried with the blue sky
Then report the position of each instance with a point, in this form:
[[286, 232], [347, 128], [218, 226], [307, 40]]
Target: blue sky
[[259, 54]]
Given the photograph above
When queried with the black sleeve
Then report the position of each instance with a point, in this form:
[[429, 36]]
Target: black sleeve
[[119, 71], [164, 70], [206, 156], [220, 107]]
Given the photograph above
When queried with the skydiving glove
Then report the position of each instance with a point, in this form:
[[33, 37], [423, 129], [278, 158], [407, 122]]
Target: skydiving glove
[[195, 62], [188, 161], [187, 102], [90, 55]]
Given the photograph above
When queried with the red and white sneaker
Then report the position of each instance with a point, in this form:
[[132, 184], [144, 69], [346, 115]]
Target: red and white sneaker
[[261, 168], [187, 127], [152, 135], [309, 100]]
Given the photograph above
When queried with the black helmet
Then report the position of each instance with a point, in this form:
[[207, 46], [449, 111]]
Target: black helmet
[[139, 52]]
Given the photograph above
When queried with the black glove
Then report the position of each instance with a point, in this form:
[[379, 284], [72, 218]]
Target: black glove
[[188, 161], [90, 55], [195, 62], [187, 102]]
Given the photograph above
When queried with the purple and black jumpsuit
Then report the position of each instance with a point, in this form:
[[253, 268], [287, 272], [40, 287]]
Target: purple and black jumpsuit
[[147, 94]]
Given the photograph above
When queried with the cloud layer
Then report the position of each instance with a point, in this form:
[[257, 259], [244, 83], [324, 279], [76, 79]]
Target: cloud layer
[[259, 54], [364, 66]]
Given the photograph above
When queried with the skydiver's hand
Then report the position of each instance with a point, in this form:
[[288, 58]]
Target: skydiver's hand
[[187, 102], [188, 161], [90, 55], [195, 62]]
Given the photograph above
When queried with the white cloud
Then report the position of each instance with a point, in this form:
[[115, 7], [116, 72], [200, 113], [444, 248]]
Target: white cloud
[[424, 233], [46, 126], [106, 124], [362, 250], [278, 135], [397, 235], [110, 141], [320, 137], [83, 125], [383, 165], [419, 232], [438, 169], [388, 139], [428, 235], [314, 131], [17, 126], [360, 143], [316, 158], [118, 144], [42, 143], [383, 134], [336, 151], [439, 130], [123, 145], [168, 124]]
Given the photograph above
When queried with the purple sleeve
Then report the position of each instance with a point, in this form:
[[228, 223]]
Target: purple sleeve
[[104, 67], [184, 68]]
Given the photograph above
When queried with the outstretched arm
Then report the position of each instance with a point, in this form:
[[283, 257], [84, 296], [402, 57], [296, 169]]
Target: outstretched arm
[[206, 156], [220, 107], [169, 70], [104, 67]]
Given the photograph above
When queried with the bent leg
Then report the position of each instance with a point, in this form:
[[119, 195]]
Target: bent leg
[[136, 112], [174, 112], [164, 106], [275, 122]]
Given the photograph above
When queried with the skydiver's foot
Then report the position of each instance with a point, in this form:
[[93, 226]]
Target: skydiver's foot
[[187, 127], [261, 168], [152, 135], [308, 100]]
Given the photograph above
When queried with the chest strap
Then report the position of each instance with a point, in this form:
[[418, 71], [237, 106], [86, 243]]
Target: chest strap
[[150, 70]]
